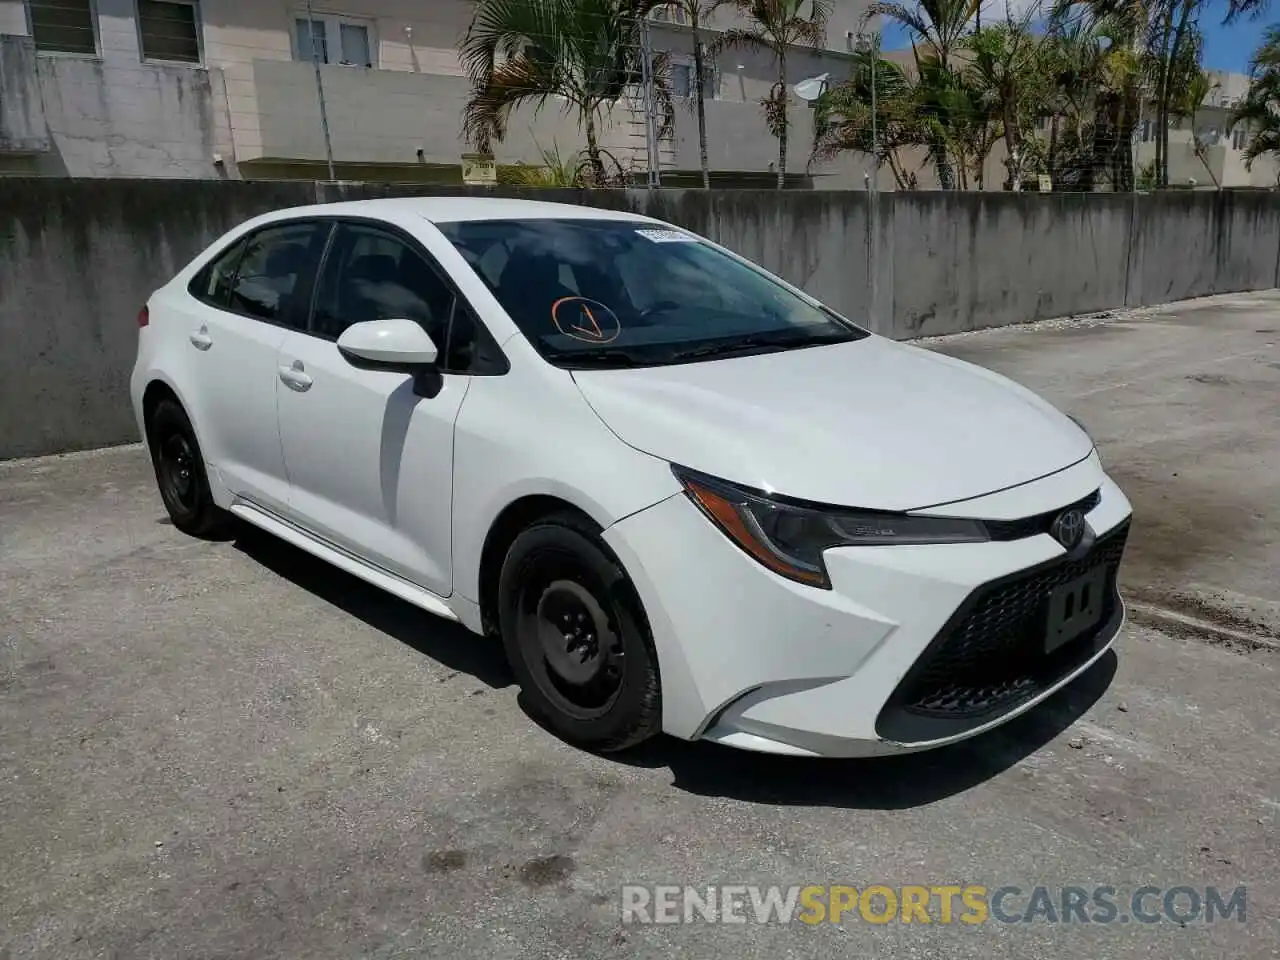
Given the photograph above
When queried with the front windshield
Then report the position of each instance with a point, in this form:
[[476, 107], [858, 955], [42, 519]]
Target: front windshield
[[631, 293]]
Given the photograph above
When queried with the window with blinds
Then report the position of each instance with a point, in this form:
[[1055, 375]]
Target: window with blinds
[[169, 30], [63, 26]]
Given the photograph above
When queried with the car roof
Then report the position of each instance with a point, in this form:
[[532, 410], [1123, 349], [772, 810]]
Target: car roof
[[458, 209]]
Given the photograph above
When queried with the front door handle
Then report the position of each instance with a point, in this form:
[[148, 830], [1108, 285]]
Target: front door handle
[[201, 339], [295, 378]]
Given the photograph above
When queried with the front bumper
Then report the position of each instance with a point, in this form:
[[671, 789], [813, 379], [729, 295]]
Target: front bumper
[[913, 647]]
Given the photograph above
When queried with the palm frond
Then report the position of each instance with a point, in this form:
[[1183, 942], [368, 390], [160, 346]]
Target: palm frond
[[519, 80], [739, 39], [903, 15]]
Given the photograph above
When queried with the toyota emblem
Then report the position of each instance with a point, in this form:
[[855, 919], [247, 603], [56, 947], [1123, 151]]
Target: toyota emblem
[[1068, 529]]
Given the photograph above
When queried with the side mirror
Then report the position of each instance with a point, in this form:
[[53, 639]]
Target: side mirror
[[397, 345]]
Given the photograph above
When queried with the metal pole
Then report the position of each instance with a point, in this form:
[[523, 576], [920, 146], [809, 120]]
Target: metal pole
[[875, 110], [654, 178], [324, 113]]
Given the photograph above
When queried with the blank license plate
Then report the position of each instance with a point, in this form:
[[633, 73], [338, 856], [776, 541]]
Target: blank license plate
[[1074, 608]]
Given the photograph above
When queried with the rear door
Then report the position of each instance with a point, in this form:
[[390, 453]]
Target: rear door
[[236, 319], [370, 452]]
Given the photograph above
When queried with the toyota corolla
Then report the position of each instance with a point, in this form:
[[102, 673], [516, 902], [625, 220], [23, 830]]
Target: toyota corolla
[[687, 496]]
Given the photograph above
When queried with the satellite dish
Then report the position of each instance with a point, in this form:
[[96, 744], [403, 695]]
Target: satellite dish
[[811, 89]]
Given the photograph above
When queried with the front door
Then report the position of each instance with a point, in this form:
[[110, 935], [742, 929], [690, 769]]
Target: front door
[[370, 454]]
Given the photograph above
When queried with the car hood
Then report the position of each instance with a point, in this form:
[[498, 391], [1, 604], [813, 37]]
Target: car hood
[[871, 423]]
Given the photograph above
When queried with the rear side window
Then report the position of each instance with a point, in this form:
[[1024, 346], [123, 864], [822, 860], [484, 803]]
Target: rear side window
[[212, 285], [272, 281]]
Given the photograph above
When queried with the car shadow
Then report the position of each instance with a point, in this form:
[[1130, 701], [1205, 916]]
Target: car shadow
[[449, 644], [882, 783], [703, 768]]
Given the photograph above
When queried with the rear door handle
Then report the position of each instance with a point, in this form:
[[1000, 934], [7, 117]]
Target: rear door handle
[[295, 379], [201, 339]]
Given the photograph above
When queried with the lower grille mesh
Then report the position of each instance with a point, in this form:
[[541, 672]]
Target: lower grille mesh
[[993, 657]]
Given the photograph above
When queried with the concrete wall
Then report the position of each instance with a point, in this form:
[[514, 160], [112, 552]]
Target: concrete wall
[[77, 261], [1198, 244], [114, 115], [22, 124], [79, 258], [970, 260], [386, 116]]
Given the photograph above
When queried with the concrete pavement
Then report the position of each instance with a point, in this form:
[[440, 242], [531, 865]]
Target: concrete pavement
[[231, 750]]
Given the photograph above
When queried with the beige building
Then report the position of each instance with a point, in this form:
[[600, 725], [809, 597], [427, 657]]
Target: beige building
[[227, 88], [1207, 150]]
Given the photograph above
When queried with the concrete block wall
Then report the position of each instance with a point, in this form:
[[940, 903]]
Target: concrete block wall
[[79, 258]]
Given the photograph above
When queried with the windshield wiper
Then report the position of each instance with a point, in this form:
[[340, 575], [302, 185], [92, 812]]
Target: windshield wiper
[[752, 343], [610, 357]]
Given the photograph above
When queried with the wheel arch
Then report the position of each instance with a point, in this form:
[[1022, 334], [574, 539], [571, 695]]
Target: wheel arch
[[158, 388], [515, 517]]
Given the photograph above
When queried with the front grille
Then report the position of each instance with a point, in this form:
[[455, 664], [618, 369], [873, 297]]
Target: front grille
[[1040, 523], [990, 657]]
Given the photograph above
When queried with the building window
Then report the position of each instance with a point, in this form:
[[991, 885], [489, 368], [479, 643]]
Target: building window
[[344, 40], [1239, 138], [1146, 131], [680, 76], [63, 26], [670, 15], [169, 30]]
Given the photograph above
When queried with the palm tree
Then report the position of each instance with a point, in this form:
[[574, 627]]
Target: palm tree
[[1245, 8], [1185, 105], [938, 29], [1260, 108], [696, 13], [1077, 54], [938, 25], [518, 52], [1011, 71], [776, 26], [842, 116], [1118, 94]]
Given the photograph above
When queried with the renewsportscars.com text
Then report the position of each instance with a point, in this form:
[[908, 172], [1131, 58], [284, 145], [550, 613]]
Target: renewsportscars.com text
[[941, 904]]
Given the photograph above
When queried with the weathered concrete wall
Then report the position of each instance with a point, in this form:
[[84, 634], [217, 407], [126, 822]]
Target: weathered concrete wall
[[1198, 244], [964, 261], [22, 124], [77, 262], [115, 114], [78, 259]]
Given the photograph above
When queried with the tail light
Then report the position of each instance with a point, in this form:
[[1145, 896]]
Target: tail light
[[144, 316]]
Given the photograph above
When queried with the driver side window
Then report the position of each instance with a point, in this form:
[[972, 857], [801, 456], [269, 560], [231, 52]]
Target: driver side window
[[372, 274]]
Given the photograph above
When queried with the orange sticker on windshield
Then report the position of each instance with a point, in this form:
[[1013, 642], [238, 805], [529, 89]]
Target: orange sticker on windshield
[[587, 320]]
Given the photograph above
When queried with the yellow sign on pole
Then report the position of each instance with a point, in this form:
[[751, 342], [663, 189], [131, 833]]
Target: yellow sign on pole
[[479, 170]]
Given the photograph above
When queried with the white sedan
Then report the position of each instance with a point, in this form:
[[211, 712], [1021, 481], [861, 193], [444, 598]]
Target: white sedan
[[688, 496]]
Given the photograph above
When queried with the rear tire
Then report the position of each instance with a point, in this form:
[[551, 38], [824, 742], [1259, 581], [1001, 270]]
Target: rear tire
[[180, 472], [577, 638]]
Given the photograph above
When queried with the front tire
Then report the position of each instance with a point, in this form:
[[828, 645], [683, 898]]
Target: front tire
[[180, 472], [577, 638]]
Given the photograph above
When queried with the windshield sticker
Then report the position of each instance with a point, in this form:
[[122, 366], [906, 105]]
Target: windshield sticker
[[667, 236], [587, 320]]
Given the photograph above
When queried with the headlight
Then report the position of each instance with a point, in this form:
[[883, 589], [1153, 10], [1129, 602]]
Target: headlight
[[790, 539]]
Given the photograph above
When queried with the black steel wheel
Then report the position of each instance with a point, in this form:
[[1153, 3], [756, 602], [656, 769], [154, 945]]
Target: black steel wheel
[[577, 637], [180, 472]]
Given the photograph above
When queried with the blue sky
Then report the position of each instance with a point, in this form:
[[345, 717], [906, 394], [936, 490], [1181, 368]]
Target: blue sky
[[1229, 48], [1225, 48]]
